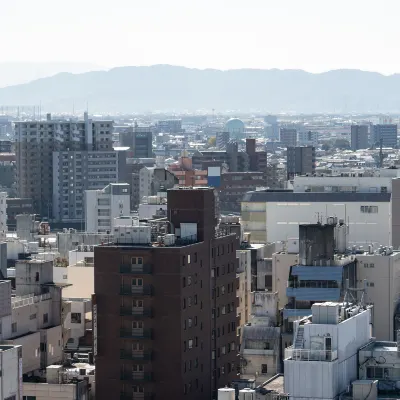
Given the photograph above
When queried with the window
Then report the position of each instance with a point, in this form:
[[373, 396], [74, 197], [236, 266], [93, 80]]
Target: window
[[188, 258], [189, 322], [137, 303], [183, 261], [14, 327], [76, 318], [183, 282], [23, 397], [137, 282], [223, 350], [137, 389], [184, 304], [222, 290], [222, 370], [136, 260], [264, 368], [369, 209], [184, 345], [195, 321], [46, 318], [32, 316], [190, 344], [189, 302], [189, 280], [370, 284], [223, 310]]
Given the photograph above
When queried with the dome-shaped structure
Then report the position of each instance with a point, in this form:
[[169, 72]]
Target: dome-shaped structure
[[235, 127]]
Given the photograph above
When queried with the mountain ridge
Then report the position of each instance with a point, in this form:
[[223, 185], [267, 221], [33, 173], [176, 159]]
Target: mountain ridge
[[177, 89]]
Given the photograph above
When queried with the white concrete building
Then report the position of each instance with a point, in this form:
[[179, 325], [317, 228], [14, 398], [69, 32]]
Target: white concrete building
[[102, 206], [323, 360], [3, 214], [153, 206], [11, 372], [307, 138], [145, 178]]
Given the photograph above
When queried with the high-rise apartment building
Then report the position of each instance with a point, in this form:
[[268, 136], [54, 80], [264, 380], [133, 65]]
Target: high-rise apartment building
[[359, 137], [102, 206], [307, 138], [288, 137], [387, 133], [165, 305], [142, 142], [271, 127], [77, 171], [35, 142], [222, 139], [300, 160]]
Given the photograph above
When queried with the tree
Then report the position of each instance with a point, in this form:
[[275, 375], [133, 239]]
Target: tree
[[342, 144], [212, 141], [326, 147]]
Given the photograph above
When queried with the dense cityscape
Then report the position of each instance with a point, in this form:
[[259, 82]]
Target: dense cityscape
[[199, 256]]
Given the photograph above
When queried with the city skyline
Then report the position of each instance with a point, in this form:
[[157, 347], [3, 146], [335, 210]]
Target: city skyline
[[259, 34]]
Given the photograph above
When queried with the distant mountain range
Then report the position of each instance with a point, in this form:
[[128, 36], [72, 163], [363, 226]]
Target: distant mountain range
[[176, 89], [15, 73]]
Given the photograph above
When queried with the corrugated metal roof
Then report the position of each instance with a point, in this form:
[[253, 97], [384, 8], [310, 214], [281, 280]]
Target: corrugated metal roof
[[314, 294], [318, 273]]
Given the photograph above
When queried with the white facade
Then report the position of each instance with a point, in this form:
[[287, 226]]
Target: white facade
[[332, 184], [102, 206], [11, 372], [323, 361], [145, 179], [283, 220], [307, 138]]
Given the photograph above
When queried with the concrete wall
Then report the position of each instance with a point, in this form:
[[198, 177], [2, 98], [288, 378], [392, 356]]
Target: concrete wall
[[54, 346], [30, 351], [11, 378], [82, 281], [45, 391]]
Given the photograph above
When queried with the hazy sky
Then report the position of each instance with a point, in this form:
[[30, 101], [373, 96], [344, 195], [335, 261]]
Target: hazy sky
[[315, 35]]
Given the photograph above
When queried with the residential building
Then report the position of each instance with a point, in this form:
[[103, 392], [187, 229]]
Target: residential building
[[142, 142], [187, 284], [102, 206], [300, 160], [11, 372], [257, 159], [271, 127], [222, 139], [35, 142], [77, 171], [307, 138], [359, 137], [234, 185], [17, 206], [386, 133], [323, 360], [169, 126], [3, 214], [288, 137]]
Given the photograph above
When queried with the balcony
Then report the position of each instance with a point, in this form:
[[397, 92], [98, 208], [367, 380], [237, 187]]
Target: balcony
[[135, 355], [310, 355], [136, 396], [138, 312], [137, 333], [135, 268], [129, 290], [136, 376]]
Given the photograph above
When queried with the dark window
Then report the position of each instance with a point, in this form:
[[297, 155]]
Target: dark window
[[46, 318], [264, 368], [37, 277], [184, 303], [183, 282], [76, 318], [268, 281]]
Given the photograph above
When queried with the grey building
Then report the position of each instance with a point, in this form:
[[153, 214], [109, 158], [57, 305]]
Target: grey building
[[169, 126], [300, 160], [77, 171], [142, 142], [35, 142], [222, 139], [359, 137], [387, 133], [288, 137], [17, 206], [271, 127]]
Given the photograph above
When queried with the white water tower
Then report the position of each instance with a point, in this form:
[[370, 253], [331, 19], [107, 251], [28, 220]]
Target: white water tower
[[247, 394], [226, 394]]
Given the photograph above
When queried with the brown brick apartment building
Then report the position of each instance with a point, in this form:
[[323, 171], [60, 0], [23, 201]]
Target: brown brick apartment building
[[166, 314]]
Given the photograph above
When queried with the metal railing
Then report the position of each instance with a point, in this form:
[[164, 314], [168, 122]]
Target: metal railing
[[135, 268], [310, 355], [145, 290], [136, 376], [136, 333], [21, 301], [136, 311], [135, 355]]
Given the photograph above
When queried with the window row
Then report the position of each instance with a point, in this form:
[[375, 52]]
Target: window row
[[189, 301], [188, 365], [221, 330], [189, 387], [187, 259], [223, 310], [215, 272], [220, 250], [222, 290], [188, 345]]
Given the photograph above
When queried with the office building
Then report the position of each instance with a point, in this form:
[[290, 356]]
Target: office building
[[288, 137], [300, 161], [142, 142], [386, 133], [323, 360], [222, 139], [103, 206], [359, 137], [35, 143], [78, 171], [257, 159], [307, 138], [169, 126], [165, 305]]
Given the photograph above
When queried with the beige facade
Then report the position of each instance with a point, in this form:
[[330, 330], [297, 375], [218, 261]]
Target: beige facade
[[281, 263], [52, 391], [382, 273], [81, 279], [254, 220], [244, 288]]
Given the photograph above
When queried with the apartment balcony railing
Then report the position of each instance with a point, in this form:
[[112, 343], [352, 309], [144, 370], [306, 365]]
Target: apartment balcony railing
[[136, 376], [136, 311], [136, 396], [135, 268], [310, 355], [129, 290], [135, 355], [136, 333]]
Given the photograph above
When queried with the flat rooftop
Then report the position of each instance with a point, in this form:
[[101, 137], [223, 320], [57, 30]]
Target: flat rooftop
[[380, 346], [275, 384]]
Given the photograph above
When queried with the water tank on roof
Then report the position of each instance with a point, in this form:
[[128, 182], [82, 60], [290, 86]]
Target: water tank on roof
[[247, 394], [226, 394]]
